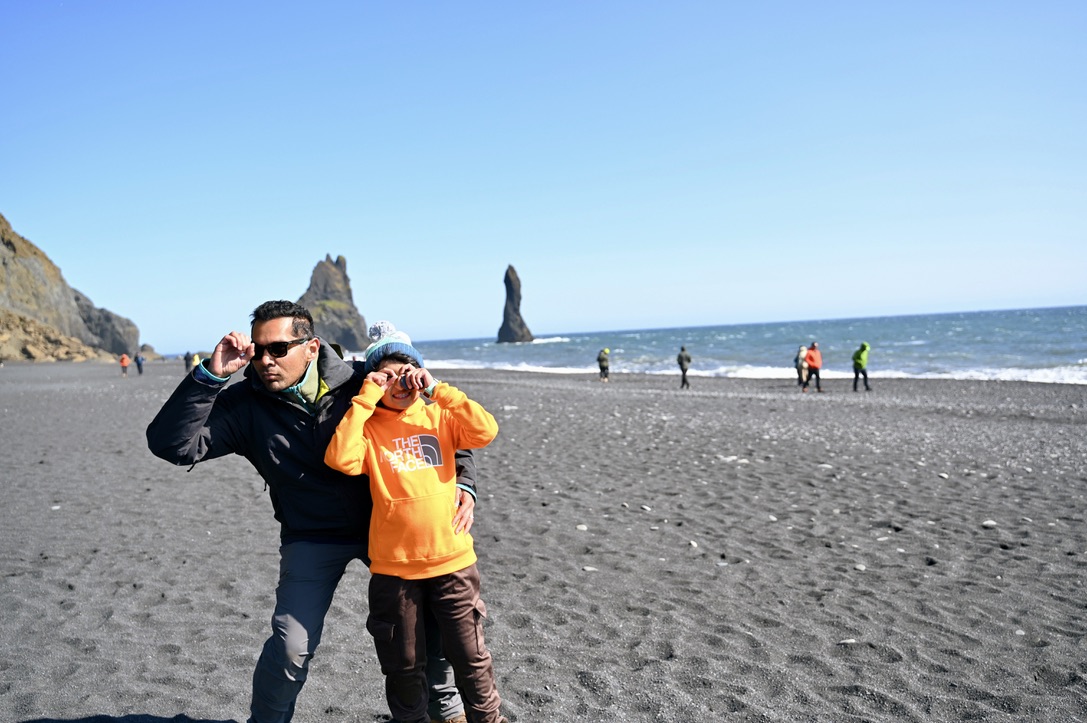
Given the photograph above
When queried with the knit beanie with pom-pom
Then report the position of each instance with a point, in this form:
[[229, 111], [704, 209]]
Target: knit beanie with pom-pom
[[387, 340]]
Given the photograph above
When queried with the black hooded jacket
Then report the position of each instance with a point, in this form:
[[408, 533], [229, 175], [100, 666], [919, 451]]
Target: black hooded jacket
[[284, 441]]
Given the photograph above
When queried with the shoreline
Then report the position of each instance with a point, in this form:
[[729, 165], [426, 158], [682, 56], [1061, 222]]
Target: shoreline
[[782, 374], [739, 551]]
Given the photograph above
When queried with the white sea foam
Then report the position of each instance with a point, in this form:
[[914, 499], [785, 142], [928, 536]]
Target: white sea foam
[[505, 366], [1056, 375], [551, 340]]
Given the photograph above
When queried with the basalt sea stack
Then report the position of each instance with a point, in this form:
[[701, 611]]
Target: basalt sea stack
[[513, 327], [330, 301]]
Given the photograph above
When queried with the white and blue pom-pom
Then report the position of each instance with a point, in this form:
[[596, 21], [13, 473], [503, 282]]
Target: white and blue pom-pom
[[380, 329]]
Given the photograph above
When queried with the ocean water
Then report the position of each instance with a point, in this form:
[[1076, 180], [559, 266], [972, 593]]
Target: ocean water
[[1036, 345]]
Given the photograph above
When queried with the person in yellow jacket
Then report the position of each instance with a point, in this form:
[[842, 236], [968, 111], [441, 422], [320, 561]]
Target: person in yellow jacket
[[417, 559], [602, 361], [860, 365]]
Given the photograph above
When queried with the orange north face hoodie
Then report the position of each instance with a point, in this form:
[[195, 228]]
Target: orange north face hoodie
[[409, 457]]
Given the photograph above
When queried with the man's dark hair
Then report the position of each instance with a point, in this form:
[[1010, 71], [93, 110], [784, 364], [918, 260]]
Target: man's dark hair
[[270, 310]]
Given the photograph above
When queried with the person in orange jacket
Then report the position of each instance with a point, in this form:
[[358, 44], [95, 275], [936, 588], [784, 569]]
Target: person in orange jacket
[[815, 363], [124, 365], [405, 446]]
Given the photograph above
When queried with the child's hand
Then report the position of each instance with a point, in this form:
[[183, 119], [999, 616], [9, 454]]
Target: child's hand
[[381, 378], [415, 378]]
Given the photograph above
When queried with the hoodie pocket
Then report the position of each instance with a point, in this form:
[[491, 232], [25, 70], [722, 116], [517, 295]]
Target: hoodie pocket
[[415, 529]]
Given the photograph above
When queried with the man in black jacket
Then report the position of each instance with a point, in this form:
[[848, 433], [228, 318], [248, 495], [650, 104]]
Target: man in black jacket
[[281, 417], [684, 361]]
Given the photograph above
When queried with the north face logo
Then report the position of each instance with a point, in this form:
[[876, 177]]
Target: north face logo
[[428, 448], [418, 452]]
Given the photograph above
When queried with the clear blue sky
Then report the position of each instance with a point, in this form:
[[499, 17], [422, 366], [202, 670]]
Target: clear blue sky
[[642, 164]]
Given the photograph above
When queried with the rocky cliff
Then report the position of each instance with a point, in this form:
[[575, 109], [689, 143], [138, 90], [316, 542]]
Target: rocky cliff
[[32, 285], [513, 327], [26, 339], [330, 301], [44, 319], [113, 333]]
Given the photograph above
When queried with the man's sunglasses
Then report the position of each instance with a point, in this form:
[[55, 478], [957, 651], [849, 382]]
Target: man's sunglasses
[[277, 349]]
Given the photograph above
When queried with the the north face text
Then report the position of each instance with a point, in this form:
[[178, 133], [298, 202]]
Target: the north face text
[[416, 452]]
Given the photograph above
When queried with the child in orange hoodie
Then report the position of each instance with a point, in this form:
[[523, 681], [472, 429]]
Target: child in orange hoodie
[[406, 446]]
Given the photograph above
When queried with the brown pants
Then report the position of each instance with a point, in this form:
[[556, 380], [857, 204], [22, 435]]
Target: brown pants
[[396, 623]]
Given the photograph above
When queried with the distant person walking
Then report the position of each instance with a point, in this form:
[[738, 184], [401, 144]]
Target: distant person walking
[[188, 361], [124, 365], [800, 361], [139, 359], [684, 361], [602, 360], [860, 366], [814, 357]]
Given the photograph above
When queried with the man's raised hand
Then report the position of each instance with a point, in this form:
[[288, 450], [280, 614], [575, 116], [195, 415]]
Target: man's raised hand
[[233, 352]]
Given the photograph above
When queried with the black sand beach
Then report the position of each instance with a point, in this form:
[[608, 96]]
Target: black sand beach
[[735, 552]]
